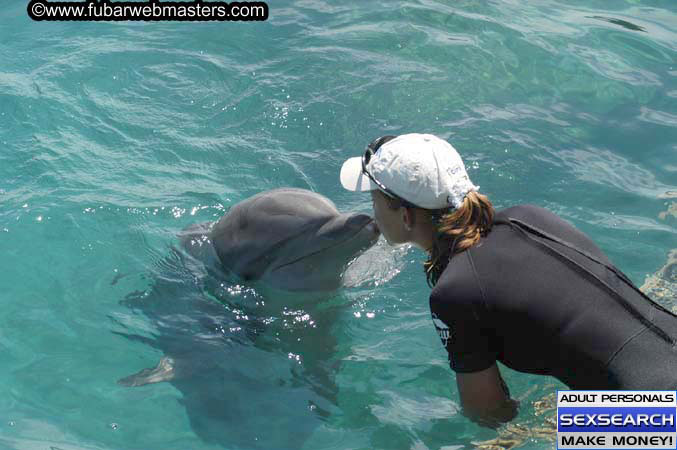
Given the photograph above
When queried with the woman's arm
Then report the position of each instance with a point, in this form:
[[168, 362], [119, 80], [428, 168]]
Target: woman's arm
[[485, 398]]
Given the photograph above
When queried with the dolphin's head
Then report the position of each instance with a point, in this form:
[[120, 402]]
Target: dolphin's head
[[293, 239], [316, 260]]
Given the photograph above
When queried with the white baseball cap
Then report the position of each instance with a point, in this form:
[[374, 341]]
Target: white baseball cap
[[420, 168]]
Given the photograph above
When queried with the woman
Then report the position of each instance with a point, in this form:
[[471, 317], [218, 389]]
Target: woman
[[519, 285]]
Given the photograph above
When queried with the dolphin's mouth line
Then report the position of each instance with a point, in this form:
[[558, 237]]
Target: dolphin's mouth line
[[322, 249]]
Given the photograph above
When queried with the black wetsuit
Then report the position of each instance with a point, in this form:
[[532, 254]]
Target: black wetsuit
[[541, 297]]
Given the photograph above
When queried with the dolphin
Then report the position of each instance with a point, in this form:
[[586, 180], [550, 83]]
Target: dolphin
[[288, 238], [232, 359]]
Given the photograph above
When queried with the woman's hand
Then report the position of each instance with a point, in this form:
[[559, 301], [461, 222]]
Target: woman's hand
[[485, 398]]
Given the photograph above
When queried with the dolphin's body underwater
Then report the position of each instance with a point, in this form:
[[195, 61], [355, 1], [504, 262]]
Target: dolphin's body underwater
[[231, 361], [292, 239]]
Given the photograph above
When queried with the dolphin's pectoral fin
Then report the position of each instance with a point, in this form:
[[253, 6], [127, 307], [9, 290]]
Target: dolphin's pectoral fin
[[164, 371]]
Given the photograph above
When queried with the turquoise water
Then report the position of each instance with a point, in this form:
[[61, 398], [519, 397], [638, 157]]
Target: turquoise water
[[115, 136]]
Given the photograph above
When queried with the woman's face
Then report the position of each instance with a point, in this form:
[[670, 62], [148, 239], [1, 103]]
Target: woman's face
[[389, 221]]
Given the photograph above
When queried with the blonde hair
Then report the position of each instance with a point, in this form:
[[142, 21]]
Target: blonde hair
[[456, 230]]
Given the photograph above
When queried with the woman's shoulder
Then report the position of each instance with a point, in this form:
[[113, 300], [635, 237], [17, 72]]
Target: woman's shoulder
[[527, 211], [554, 225], [535, 215]]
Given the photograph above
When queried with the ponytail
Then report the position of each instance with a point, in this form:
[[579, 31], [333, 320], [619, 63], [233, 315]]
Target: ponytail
[[457, 230]]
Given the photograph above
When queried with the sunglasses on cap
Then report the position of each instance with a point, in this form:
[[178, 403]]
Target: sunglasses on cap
[[371, 149]]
